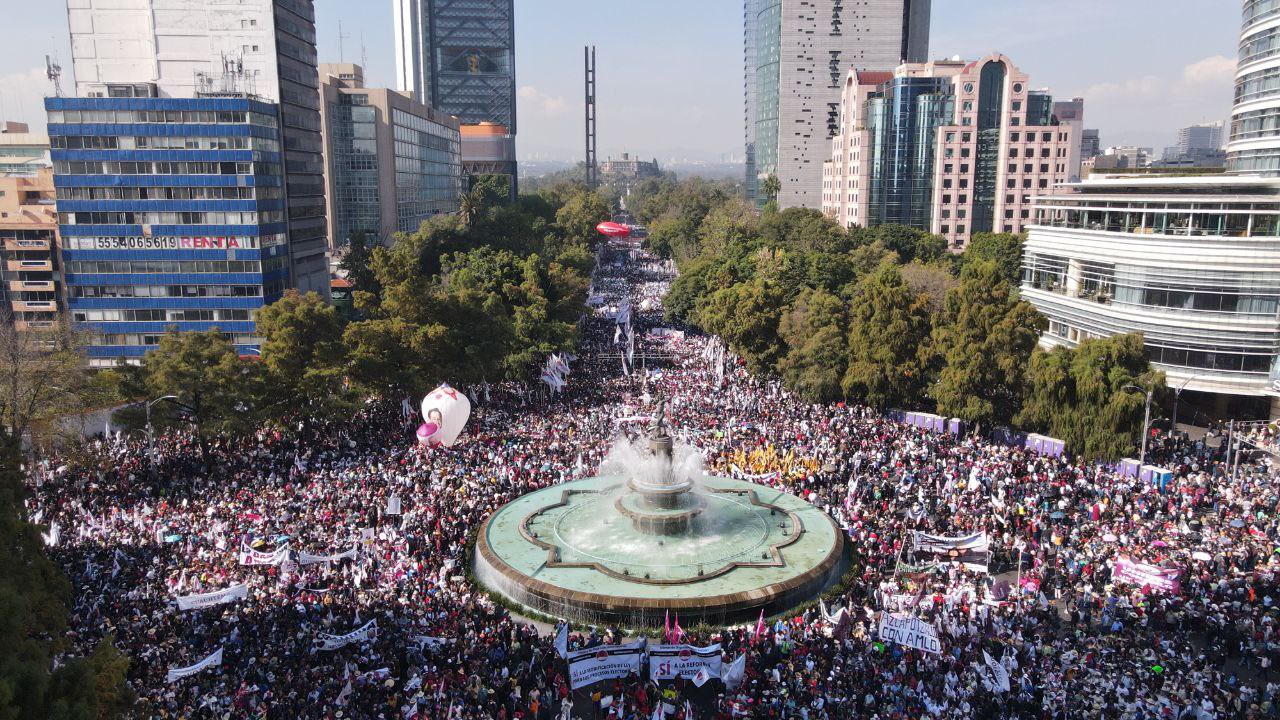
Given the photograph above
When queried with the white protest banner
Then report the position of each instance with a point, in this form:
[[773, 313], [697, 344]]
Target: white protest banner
[[909, 631], [605, 662], [667, 662], [368, 631], [249, 556], [739, 474], [214, 658], [306, 558], [393, 505], [217, 597], [428, 642], [968, 550]]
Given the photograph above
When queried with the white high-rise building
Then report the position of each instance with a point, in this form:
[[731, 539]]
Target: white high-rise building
[[1254, 142], [797, 54], [208, 48]]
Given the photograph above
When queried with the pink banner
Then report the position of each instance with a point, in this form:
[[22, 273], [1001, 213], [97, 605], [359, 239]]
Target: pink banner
[[1135, 573]]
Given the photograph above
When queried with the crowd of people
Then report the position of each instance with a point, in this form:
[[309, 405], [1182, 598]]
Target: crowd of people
[[362, 606]]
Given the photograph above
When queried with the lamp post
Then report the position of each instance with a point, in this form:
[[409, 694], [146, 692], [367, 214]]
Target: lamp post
[[151, 435], [1177, 395], [1146, 418]]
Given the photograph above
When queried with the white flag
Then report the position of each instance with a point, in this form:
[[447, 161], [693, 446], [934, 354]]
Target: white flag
[[562, 640], [736, 671], [997, 674], [393, 505]]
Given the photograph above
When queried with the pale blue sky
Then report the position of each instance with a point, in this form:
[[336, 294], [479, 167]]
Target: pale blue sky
[[671, 71]]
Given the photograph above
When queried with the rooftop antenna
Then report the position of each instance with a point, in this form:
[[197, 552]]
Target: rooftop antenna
[[341, 36], [54, 72], [364, 55]]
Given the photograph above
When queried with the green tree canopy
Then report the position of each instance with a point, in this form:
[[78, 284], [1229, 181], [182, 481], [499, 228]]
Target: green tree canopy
[[888, 333], [982, 342], [813, 328], [1079, 395], [1004, 249], [304, 356]]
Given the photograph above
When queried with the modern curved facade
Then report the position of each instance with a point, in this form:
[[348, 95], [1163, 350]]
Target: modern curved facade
[[1254, 143], [1193, 263]]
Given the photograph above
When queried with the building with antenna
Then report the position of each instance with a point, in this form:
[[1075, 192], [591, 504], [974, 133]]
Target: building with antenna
[[262, 50], [189, 168]]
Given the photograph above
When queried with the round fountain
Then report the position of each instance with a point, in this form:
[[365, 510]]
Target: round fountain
[[652, 535]]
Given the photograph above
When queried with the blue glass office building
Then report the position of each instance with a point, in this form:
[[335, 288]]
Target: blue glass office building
[[172, 214]]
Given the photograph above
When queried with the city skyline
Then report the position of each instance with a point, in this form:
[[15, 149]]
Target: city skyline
[[1138, 92]]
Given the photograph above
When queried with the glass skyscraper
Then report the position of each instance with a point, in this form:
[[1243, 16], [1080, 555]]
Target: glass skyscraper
[[172, 215], [796, 54]]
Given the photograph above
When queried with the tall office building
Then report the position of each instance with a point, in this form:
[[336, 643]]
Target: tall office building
[[950, 147], [1090, 144], [458, 56], [1071, 113], [259, 49], [22, 152], [392, 161], [797, 53], [172, 215], [1254, 143], [1201, 137]]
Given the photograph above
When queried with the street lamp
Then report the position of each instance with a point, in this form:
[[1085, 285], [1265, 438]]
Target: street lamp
[[1146, 418], [1177, 395]]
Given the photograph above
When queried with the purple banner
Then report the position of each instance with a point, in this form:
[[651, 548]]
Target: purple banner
[[1157, 578]]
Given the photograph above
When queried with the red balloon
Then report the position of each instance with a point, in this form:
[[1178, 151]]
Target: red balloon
[[613, 229]]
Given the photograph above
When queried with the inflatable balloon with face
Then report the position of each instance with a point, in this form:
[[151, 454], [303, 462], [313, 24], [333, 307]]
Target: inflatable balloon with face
[[445, 411]]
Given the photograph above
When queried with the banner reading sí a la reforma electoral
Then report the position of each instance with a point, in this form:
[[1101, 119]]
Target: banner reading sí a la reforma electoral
[[909, 631], [604, 662], [667, 662]]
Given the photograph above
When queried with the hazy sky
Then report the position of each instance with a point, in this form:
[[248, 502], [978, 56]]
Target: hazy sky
[[670, 72]]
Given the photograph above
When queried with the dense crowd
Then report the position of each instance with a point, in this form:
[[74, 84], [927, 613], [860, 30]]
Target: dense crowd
[[1074, 640]]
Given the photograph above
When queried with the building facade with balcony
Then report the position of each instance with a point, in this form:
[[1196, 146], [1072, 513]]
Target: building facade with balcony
[[172, 216], [30, 272], [1193, 263], [948, 146]]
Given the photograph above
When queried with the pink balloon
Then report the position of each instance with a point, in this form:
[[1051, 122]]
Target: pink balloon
[[425, 431]]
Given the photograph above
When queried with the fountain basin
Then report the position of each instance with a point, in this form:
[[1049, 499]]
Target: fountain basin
[[582, 551]]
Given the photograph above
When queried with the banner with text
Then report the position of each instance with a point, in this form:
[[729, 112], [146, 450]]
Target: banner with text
[[217, 597], [215, 658], [667, 662], [1142, 574], [910, 632], [306, 558], [606, 662], [368, 631], [249, 556]]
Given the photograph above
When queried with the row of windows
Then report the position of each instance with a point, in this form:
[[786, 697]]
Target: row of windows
[[1263, 45], [169, 193], [161, 291], [1255, 10], [171, 218], [163, 266], [1258, 84], [161, 142], [1260, 160], [1161, 221], [111, 167], [1255, 124], [162, 315], [207, 117], [137, 339], [235, 242]]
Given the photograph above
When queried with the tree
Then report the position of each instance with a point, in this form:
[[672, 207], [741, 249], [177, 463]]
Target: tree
[[355, 263], [910, 244], [34, 595], [1079, 395], [930, 281], [304, 356], [813, 328], [41, 375], [582, 211], [746, 315], [770, 187], [218, 391], [888, 332], [1004, 249], [982, 341]]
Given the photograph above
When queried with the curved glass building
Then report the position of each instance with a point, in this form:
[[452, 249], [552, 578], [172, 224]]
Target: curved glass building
[[1254, 143]]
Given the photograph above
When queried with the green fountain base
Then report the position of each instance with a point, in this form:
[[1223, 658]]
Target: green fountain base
[[577, 551]]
